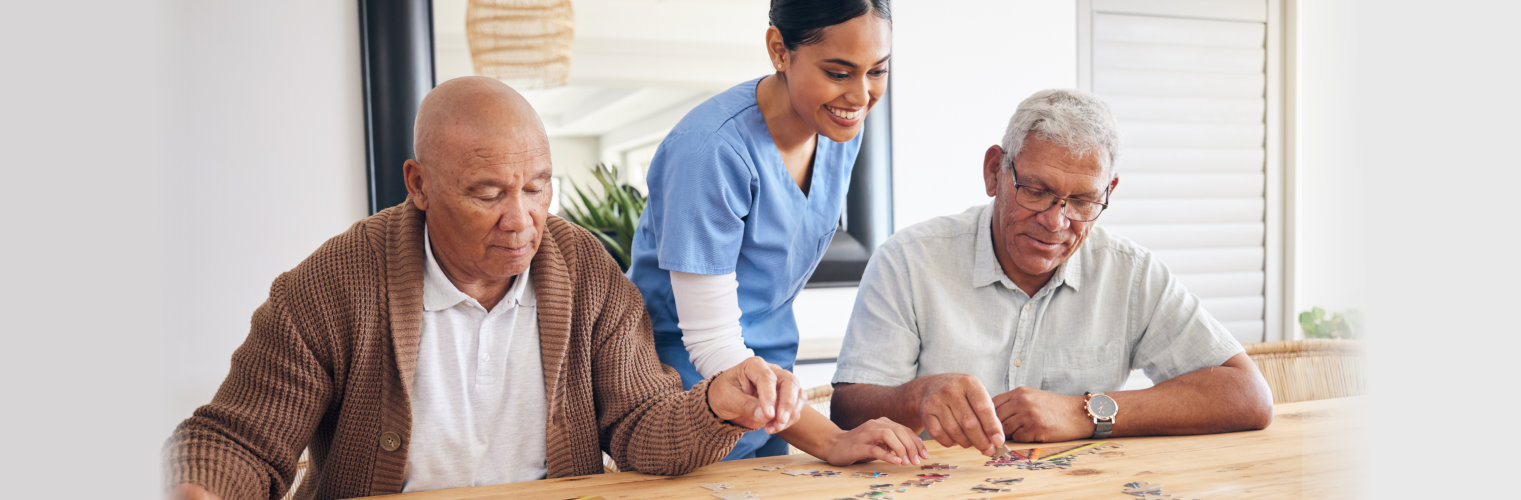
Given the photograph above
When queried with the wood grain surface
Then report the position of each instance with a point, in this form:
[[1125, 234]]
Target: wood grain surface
[[1310, 450]]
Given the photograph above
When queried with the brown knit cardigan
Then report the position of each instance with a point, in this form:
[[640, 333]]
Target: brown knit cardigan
[[330, 357]]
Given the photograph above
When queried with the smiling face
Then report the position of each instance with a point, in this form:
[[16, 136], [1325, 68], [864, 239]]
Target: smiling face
[[833, 83], [1030, 245], [482, 176]]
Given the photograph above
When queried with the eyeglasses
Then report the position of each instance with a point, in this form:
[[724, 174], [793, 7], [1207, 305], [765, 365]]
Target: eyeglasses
[[1040, 200]]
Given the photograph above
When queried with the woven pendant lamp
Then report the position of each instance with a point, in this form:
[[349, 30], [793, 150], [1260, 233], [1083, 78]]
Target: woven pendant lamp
[[525, 43]]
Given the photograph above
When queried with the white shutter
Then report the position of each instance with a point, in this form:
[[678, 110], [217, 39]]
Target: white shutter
[[1188, 84]]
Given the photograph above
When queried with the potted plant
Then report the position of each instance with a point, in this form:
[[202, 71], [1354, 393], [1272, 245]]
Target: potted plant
[[613, 217], [1317, 325]]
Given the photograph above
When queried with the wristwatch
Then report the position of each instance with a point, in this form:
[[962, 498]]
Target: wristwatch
[[1101, 409]]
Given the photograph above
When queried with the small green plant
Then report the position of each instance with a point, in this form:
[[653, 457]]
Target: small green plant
[[613, 217], [1337, 326]]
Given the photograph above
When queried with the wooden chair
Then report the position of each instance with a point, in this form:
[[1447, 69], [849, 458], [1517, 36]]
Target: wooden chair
[[295, 483], [818, 398], [1309, 369]]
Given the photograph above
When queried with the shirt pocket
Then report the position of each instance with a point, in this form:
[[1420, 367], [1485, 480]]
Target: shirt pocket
[[1075, 370], [820, 247], [825, 240]]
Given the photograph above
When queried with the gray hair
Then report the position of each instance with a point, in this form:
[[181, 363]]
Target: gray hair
[[1071, 118]]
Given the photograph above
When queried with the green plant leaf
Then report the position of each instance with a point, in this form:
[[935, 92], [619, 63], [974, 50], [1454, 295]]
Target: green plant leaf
[[613, 216]]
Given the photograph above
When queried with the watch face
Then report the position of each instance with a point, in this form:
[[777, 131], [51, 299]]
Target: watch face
[[1102, 406]]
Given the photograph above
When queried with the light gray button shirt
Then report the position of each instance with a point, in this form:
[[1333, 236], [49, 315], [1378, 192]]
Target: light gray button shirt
[[478, 404], [935, 300]]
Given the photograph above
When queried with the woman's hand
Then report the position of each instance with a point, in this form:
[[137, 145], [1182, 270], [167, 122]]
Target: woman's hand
[[756, 394], [879, 439]]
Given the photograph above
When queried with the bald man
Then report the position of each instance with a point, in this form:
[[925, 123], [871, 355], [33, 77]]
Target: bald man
[[464, 337]]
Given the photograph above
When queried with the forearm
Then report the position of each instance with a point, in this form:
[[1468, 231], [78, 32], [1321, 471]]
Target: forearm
[[649, 424], [673, 434], [708, 310], [247, 440], [854, 404], [815, 434], [1230, 397], [193, 455]]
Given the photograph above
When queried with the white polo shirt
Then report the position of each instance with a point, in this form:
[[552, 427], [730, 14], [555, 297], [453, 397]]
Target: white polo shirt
[[478, 401]]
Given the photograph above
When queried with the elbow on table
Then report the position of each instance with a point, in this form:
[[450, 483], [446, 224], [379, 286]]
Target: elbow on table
[[1256, 411], [661, 464], [1254, 397], [671, 467], [1258, 418]]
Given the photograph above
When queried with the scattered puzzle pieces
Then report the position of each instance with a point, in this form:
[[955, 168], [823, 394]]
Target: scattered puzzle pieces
[[1148, 491], [869, 474], [1005, 480], [736, 495], [983, 488], [1140, 488], [769, 468], [938, 466]]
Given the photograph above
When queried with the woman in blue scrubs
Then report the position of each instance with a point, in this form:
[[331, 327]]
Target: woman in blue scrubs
[[745, 194]]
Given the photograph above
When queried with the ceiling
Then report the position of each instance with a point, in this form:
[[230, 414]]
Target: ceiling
[[637, 66]]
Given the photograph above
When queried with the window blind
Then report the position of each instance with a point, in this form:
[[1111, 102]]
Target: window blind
[[1188, 84]]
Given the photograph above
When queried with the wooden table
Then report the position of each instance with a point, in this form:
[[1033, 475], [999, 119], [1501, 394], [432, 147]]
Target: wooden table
[[1308, 451]]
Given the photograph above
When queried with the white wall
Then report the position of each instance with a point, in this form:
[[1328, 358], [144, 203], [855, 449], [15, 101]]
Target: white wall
[[166, 160], [573, 159], [1326, 227], [267, 161], [1408, 120], [81, 260], [959, 70]]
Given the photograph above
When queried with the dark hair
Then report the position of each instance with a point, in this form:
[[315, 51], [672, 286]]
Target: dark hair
[[802, 22]]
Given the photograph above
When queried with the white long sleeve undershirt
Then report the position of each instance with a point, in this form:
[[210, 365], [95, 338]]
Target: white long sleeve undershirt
[[707, 312]]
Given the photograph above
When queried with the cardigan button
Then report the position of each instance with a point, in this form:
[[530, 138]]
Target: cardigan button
[[390, 441]]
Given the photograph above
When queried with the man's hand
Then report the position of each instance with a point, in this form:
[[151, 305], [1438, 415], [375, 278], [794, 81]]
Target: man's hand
[[880, 439], [192, 491], [755, 394], [956, 410], [1031, 415]]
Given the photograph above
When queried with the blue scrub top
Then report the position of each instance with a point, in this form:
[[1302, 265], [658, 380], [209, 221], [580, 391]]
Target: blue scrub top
[[722, 201]]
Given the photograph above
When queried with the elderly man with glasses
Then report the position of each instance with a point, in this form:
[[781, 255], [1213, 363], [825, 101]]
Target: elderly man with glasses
[[1021, 320]]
